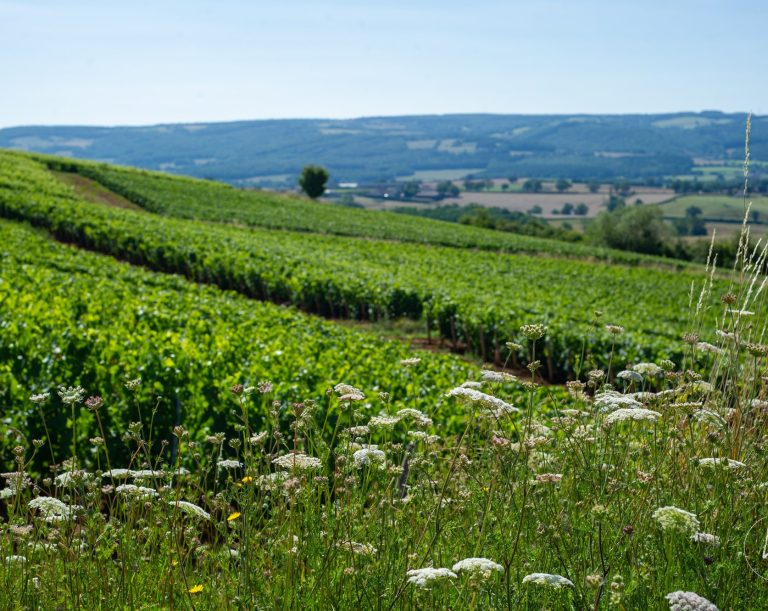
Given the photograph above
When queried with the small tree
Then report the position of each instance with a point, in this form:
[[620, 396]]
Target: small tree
[[593, 186], [581, 209], [313, 180], [562, 185]]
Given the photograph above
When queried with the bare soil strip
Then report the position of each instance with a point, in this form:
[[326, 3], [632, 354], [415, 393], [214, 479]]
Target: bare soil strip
[[92, 191]]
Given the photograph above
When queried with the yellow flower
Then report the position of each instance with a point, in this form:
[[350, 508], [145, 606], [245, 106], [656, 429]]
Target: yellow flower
[[247, 479], [174, 562], [196, 589], [233, 516]]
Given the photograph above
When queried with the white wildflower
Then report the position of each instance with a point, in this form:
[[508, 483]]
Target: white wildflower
[[383, 421], [547, 579], [53, 508], [368, 456], [727, 462], [72, 394], [69, 478], [707, 347], [272, 481], [759, 404], [648, 369], [191, 509], [706, 538], [477, 567], [623, 415], [258, 438], [358, 431], [492, 405], [611, 400], [500, 377], [137, 492], [471, 384], [548, 478], [362, 549], [420, 418], [41, 398], [688, 601], [7, 493], [348, 393], [119, 473], [14, 558], [630, 376], [229, 464], [424, 578], [298, 461], [674, 519], [148, 474]]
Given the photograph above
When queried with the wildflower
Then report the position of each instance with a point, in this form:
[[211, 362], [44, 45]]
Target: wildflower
[[691, 338], [477, 567], [757, 349], [233, 516], [471, 384], [533, 332], [383, 421], [630, 376], [119, 473], [132, 384], [480, 399], [14, 558], [297, 461], [728, 298], [191, 509], [196, 589], [614, 329], [72, 394], [72, 477], [674, 519], [727, 462], [595, 376], [611, 400], [707, 347], [348, 393], [688, 601], [423, 578], [247, 479], [237, 390], [499, 377], [648, 369], [138, 492], [41, 398], [576, 389], [514, 346], [410, 362], [623, 415], [362, 549], [547, 579], [52, 509], [229, 464], [706, 538], [420, 418], [368, 456], [258, 438], [94, 403], [358, 431]]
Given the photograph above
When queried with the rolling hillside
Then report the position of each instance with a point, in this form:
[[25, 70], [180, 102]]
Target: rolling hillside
[[374, 149]]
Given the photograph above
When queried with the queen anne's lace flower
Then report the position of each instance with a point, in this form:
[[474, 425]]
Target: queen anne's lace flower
[[547, 579], [420, 418], [688, 601], [486, 402], [706, 538], [726, 462], [362, 549], [495, 377], [623, 415], [137, 492], [52, 508], [348, 393], [191, 509], [674, 519], [383, 421], [630, 376], [424, 578], [229, 464], [477, 567], [611, 400], [368, 456], [297, 461], [648, 369]]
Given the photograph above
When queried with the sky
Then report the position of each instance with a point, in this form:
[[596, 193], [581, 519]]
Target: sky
[[102, 62]]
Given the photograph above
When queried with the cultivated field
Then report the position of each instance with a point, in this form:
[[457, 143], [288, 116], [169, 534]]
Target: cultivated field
[[180, 432]]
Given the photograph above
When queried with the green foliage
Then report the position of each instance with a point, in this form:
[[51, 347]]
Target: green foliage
[[581, 209], [313, 179], [533, 185], [370, 279], [639, 229], [562, 185]]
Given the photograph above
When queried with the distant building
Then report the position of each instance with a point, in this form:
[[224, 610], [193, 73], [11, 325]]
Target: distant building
[[347, 185]]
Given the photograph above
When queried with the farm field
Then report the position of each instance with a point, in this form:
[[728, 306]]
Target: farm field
[[716, 206], [368, 279], [204, 200], [522, 202], [177, 434]]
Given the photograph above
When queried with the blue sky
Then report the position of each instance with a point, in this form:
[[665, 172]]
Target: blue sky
[[101, 62]]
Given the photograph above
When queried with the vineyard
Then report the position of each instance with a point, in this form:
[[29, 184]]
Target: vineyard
[[470, 299], [210, 201]]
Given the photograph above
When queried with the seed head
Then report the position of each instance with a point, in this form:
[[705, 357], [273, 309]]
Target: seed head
[[728, 298], [533, 332]]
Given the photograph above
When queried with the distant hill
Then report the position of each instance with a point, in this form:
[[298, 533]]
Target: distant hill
[[272, 152]]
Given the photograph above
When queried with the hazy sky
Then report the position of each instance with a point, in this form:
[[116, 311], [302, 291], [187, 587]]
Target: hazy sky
[[103, 62]]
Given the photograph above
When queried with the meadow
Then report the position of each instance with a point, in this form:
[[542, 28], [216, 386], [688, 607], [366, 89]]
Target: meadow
[[178, 434]]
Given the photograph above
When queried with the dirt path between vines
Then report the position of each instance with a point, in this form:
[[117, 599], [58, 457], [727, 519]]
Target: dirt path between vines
[[92, 191]]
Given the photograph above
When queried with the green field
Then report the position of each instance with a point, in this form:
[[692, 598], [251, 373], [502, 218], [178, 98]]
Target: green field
[[365, 474], [473, 300]]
